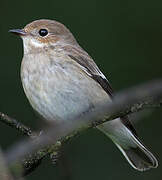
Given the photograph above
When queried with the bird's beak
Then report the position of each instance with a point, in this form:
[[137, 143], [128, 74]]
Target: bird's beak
[[19, 32]]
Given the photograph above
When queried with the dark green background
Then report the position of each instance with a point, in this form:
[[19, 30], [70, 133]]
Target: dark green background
[[125, 39]]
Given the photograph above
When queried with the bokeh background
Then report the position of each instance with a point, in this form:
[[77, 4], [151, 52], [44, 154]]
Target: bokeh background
[[125, 39]]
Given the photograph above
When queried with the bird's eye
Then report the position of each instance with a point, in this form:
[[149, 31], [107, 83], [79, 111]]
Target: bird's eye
[[43, 32]]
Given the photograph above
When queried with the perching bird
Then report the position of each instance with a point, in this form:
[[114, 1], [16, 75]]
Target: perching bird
[[61, 80]]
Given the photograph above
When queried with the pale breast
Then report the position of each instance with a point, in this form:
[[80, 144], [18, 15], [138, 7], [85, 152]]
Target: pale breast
[[57, 88]]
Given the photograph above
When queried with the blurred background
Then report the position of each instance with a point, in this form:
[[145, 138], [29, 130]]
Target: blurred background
[[125, 39]]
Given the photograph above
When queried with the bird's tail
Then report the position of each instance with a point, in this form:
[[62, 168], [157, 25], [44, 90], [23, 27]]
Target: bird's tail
[[139, 157]]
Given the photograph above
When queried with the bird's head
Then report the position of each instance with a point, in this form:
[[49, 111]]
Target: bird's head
[[43, 33]]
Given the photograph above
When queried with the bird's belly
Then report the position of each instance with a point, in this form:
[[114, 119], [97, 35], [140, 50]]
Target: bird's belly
[[60, 93]]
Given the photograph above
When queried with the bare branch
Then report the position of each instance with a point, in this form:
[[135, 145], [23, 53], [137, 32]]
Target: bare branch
[[15, 124], [124, 103], [31, 162]]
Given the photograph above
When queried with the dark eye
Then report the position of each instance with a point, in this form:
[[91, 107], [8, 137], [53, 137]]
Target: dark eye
[[43, 32]]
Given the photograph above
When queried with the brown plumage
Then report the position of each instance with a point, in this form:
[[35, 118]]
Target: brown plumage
[[61, 81]]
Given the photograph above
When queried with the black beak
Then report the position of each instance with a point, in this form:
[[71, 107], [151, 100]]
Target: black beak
[[19, 32]]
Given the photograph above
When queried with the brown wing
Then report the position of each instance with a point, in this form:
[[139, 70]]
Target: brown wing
[[89, 66]]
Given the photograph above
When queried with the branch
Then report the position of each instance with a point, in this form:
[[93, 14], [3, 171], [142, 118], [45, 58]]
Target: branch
[[124, 103], [15, 124], [31, 162]]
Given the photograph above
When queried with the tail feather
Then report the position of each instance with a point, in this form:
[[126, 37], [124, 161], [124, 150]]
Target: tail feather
[[139, 157]]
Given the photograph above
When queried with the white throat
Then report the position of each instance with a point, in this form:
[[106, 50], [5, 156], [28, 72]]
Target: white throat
[[30, 45]]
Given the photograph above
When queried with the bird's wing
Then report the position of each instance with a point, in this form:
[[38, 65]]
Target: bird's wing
[[89, 66]]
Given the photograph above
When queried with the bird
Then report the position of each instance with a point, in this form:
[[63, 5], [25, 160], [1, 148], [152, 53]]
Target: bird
[[61, 80]]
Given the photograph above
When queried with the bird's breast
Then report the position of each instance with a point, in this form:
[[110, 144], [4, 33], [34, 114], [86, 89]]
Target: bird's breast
[[57, 88]]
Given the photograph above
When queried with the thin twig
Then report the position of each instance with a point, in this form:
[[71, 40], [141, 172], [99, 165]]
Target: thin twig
[[31, 162], [15, 124]]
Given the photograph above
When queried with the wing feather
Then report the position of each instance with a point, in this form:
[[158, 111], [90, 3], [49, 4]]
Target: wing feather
[[90, 67]]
